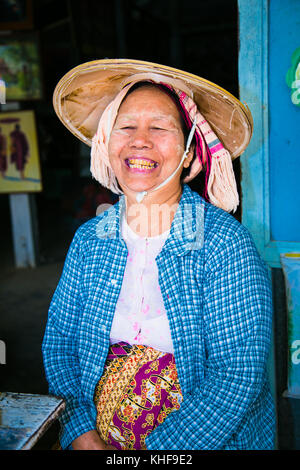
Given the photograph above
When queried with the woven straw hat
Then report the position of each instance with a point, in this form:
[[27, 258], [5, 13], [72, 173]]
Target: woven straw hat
[[81, 96]]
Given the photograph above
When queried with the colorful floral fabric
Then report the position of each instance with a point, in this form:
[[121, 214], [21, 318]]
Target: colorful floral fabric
[[138, 390]]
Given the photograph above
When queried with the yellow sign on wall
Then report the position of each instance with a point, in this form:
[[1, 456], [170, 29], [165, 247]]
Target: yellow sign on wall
[[19, 157]]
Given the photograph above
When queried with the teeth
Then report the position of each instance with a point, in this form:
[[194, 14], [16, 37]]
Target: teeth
[[142, 164], [143, 167]]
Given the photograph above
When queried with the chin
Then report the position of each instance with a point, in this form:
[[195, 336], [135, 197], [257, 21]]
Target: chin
[[137, 186]]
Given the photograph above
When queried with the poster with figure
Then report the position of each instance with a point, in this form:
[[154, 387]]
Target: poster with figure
[[19, 156]]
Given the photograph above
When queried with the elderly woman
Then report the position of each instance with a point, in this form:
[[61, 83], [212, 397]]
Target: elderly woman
[[159, 329]]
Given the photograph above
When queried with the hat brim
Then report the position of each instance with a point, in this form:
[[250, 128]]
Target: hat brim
[[81, 96]]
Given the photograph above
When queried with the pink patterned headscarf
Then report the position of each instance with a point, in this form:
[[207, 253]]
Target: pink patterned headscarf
[[220, 185]]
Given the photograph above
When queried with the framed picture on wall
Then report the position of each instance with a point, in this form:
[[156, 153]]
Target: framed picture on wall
[[19, 155], [20, 67], [16, 15]]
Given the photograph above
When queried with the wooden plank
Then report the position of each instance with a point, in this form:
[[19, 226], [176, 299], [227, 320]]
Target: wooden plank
[[253, 84], [24, 418], [256, 29], [23, 224]]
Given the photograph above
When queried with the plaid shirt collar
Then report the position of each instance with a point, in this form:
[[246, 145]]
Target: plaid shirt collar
[[187, 229]]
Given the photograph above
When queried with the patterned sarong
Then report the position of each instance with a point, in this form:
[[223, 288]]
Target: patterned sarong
[[139, 388]]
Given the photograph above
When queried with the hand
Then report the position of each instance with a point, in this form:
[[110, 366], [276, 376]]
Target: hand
[[91, 441], [110, 447]]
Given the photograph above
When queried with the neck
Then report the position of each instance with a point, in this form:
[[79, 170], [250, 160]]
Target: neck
[[154, 215]]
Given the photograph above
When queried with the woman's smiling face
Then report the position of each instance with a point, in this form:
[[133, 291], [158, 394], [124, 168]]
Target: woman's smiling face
[[147, 141]]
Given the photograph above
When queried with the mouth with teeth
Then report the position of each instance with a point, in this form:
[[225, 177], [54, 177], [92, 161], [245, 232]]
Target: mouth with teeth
[[141, 164]]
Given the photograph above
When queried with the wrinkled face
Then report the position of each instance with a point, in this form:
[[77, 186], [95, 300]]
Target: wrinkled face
[[147, 142]]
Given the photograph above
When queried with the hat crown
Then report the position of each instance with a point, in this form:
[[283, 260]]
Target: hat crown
[[158, 78], [82, 95]]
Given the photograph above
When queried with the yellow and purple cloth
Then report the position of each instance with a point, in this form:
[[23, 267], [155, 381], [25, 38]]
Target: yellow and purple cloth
[[139, 388]]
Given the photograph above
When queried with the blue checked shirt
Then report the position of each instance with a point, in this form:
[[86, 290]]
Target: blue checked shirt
[[217, 296]]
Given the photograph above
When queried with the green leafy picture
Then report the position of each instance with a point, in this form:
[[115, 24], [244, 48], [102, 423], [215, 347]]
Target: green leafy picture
[[20, 68]]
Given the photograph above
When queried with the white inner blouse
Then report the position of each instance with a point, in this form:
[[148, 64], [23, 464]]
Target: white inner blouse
[[140, 316]]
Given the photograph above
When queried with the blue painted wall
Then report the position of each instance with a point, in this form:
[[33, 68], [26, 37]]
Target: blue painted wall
[[284, 123], [269, 33]]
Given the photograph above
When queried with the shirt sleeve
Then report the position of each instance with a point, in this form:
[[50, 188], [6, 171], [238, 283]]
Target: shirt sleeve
[[60, 350], [238, 323]]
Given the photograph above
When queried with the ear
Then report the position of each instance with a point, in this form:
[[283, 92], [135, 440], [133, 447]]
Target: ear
[[189, 158]]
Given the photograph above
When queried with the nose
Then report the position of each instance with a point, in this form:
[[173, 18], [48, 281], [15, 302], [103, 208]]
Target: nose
[[140, 139]]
